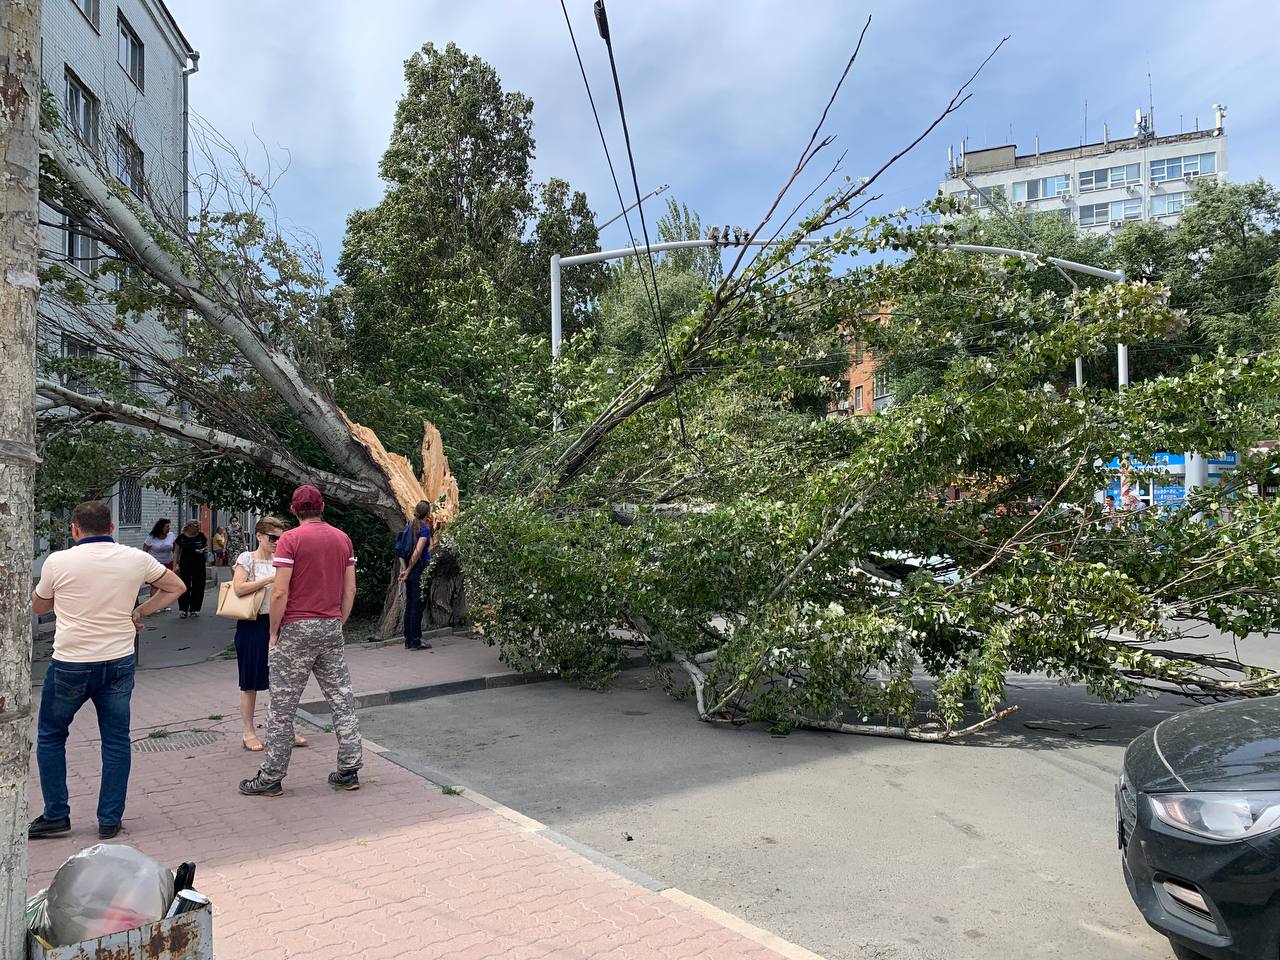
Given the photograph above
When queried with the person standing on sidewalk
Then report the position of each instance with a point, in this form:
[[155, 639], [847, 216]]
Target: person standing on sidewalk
[[159, 543], [192, 547], [253, 572], [417, 533], [311, 599], [236, 544], [92, 589]]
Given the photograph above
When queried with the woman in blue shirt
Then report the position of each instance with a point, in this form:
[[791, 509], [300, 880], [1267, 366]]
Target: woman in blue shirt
[[411, 575]]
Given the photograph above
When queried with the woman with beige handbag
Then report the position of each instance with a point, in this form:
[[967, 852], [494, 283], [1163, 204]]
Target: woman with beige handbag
[[247, 598]]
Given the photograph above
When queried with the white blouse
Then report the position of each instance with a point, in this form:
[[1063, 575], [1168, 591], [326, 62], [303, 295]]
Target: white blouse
[[257, 570]]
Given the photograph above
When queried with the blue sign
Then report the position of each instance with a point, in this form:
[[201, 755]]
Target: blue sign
[[1159, 463], [1168, 496]]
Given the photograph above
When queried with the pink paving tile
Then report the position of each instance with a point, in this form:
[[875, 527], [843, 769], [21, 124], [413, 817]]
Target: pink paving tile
[[396, 869]]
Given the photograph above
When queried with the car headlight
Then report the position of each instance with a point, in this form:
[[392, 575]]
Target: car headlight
[[1219, 816]]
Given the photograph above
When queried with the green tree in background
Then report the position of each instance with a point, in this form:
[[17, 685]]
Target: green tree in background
[[460, 202]]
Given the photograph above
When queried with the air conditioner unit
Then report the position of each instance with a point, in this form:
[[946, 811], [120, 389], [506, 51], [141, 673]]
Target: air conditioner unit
[[1188, 177], [842, 405], [1019, 203]]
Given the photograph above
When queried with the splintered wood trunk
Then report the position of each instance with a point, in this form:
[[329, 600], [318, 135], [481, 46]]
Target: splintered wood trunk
[[19, 170], [437, 486]]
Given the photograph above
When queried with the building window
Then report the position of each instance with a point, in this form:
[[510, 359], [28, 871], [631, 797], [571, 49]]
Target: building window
[[1108, 177], [90, 9], [857, 399], [82, 109], [129, 504], [986, 196], [129, 51], [1093, 214], [1169, 204], [879, 384], [75, 349], [1054, 213], [81, 250], [1173, 168], [1025, 190], [128, 162], [859, 352]]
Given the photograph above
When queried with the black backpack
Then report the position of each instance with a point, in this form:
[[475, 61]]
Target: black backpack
[[404, 542]]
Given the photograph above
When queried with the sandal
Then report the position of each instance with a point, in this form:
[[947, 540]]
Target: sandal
[[300, 741], [244, 742]]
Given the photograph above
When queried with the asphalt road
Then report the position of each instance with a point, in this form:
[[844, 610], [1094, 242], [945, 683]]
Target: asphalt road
[[1000, 846]]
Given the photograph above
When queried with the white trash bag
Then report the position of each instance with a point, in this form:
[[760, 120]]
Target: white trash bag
[[101, 890]]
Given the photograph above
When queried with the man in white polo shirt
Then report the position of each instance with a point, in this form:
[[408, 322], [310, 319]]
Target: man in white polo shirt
[[92, 588]]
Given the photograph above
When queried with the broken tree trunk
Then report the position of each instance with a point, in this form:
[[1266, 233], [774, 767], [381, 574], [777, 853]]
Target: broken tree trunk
[[437, 486]]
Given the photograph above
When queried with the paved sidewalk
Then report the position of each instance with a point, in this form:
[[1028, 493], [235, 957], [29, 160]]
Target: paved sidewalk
[[396, 869]]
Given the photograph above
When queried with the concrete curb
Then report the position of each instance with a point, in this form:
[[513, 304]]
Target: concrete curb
[[426, 691], [792, 951]]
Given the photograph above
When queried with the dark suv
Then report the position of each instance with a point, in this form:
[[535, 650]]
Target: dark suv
[[1198, 810]]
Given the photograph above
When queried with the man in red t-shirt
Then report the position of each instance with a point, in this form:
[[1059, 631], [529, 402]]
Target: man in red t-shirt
[[311, 599]]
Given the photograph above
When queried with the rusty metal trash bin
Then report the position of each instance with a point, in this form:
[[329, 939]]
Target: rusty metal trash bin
[[187, 936]]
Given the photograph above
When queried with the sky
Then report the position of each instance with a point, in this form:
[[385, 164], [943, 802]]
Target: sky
[[720, 96]]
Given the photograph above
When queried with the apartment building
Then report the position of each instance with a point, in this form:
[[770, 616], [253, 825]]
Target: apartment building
[[120, 71], [1098, 186]]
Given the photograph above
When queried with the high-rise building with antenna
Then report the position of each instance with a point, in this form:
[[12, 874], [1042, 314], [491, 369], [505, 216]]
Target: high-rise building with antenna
[[1099, 186]]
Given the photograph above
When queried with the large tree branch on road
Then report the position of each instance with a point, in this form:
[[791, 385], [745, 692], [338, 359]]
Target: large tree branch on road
[[928, 733]]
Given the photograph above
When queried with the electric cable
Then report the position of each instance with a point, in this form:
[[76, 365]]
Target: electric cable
[[602, 22]]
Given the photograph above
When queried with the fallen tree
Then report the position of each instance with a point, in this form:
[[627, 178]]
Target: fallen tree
[[211, 341], [822, 574]]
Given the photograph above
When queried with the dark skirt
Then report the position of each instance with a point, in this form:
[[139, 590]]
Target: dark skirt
[[252, 637]]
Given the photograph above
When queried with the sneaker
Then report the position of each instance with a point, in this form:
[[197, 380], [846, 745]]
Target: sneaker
[[417, 646], [195, 613], [350, 780], [41, 828], [260, 786], [108, 832], [182, 615]]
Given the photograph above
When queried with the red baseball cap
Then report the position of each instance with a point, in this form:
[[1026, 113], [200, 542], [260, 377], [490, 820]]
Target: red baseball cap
[[307, 497]]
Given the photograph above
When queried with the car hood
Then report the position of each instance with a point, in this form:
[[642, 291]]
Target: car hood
[[1226, 746]]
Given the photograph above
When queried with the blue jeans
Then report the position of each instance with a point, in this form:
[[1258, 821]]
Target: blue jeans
[[413, 607], [67, 687]]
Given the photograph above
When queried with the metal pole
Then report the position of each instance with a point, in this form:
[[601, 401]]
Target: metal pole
[[555, 306], [555, 334], [1116, 275], [1079, 373], [651, 193], [1122, 350]]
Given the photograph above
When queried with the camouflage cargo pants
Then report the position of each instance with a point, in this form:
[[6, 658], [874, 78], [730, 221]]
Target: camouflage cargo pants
[[306, 647]]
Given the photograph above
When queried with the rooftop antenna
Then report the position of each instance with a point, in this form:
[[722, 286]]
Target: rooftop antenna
[[1151, 106], [1086, 122]]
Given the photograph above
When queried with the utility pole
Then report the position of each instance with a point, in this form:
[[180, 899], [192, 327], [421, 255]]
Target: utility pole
[[19, 226]]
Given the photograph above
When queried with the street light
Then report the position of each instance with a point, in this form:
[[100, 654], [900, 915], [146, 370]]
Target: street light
[[1122, 350]]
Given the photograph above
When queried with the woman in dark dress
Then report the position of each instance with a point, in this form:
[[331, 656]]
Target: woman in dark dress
[[191, 547], [254, 572]]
